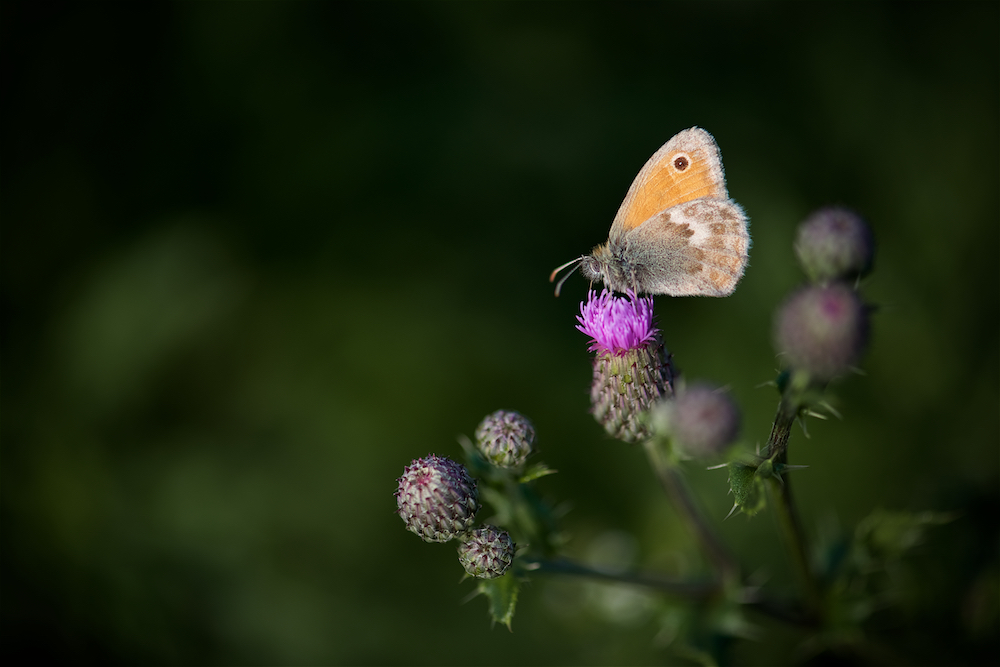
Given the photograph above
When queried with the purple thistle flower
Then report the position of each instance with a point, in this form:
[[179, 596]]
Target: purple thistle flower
[[632, 369], [617, 325]]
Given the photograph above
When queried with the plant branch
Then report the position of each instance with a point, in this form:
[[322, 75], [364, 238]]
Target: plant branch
[[672, 482], [689, 590], [780, 493]]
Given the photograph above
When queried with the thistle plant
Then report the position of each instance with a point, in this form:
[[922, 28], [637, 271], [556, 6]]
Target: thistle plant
[[637, 396]]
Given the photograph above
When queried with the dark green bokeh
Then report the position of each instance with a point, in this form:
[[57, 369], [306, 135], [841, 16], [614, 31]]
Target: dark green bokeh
[[257, 257]]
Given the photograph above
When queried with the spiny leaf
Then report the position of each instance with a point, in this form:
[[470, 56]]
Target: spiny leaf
[[745, 485], [502, 593], [536, 471]]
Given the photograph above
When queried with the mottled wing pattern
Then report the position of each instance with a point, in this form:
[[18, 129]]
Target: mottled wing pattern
[[699, 248]]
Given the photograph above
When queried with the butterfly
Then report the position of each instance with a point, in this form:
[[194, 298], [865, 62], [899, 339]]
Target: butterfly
[[677, 232]]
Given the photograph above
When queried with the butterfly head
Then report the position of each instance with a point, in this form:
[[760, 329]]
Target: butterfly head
[[603, 265], [608, 264], [595, 266]]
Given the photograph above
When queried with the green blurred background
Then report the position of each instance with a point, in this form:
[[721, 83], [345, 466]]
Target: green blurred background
[[257, 257]]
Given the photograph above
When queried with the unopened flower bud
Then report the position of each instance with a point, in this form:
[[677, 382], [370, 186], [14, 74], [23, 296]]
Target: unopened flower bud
[[834, 243], [632, 368], [437, 499], [822, 330], [702, 421], [505, 438], [487, 552]]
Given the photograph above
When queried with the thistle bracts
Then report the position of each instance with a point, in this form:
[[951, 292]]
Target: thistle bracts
[[437, 499], [505, 438], [625, 387], [487, 552]]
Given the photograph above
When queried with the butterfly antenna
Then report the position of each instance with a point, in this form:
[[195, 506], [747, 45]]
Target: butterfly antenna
[[574, 263]]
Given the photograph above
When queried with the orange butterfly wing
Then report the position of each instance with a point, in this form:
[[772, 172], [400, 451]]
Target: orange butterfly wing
[[685, 168]]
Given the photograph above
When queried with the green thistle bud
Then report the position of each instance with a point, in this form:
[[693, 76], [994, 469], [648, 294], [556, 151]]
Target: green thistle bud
[[702, 421], [632, 369], [834, 243], [437, 499], [487, 552], [822, 330], [506, 438]]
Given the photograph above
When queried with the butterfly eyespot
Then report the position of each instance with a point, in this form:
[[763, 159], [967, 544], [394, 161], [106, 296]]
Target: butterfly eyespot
[[681, 162]]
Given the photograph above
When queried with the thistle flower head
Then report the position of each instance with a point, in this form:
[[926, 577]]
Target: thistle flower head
[[834, 243], [487, 552], [702, 420], [822, 330], [437, 499], [617, 325], [506, 438], [631, 368]]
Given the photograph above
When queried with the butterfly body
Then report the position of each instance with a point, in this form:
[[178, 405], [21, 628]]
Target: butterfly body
[[677, 232]]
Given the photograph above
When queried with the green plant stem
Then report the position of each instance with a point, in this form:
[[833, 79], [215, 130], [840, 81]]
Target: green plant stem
[[691, 591], [672, 482], [694, 591], [780, 493]]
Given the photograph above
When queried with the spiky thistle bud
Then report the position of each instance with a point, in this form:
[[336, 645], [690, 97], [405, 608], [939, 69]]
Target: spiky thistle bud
[[822, 330], [631, 368], [506, 438], [701, 420], [834, 243], [487, 552], [437, 498]]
